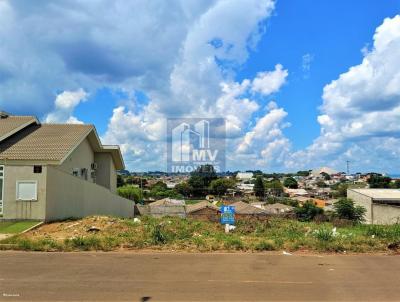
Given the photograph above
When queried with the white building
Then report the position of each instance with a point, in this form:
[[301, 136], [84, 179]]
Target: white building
[[246, 188], [382, 205], [244, 176]]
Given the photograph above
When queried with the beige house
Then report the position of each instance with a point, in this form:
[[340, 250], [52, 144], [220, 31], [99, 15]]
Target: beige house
[[56, 171], [382, 205]]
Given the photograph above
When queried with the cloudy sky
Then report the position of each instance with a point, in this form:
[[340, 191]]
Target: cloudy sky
[[300, 83]]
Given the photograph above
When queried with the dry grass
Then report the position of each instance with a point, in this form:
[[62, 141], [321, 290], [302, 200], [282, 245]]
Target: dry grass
[[191, 235]]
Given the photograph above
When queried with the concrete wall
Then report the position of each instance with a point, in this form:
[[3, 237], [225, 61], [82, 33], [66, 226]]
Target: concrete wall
[[13, 209], [81, 157], [69, 196], [376, 213], [362, 200], [162, 211], [113, 177], [386, 214], [106, 175]]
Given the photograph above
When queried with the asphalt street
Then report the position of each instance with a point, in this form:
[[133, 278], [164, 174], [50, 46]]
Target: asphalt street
[[126, 276]]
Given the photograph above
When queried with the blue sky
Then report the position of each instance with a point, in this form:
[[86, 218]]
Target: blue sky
[[301, 83], [333, 32]]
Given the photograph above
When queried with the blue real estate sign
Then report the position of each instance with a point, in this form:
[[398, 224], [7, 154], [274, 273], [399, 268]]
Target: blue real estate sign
[[227, 215]]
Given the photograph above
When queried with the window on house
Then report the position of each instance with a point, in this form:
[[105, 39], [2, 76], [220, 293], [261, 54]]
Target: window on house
[[37, 169], [84, 173], [27, 190], [75, 172]]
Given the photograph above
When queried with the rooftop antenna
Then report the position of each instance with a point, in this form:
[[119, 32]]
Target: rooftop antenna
[[348, 167]]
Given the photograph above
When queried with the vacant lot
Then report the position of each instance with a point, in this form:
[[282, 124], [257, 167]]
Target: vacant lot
[[107, 233]]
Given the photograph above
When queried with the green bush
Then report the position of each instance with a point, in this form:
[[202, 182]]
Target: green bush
[[308, 211], [158, 235], [265, 245], [84, 243], [324, 234], [130, 192], [390, 232], [233, 243], [345, 209]]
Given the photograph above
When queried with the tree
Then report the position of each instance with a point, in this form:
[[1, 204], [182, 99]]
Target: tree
[[274, 187], [321, 184], [160, 190], [196, 184], [259, 188], [120, 181], [201, 178], [303, 173], [206, 173], [395, 184], [221, 185], [325, 175], [308, 211], [159, 185], [379, 181], [168, 193], [183, 188], [291, 183], [340, 190], [130, 192], [345, 209]]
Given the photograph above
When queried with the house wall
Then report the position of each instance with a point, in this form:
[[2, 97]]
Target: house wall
[[364, 201], [69, 196], [162, 211], [13, 209], [205, 214], [113, 177], [106, 175], [386, 214], [81, 157]]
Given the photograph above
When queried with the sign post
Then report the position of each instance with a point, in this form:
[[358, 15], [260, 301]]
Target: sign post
[[227, 216]]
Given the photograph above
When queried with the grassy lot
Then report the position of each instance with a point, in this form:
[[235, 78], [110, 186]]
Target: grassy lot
[[193, 201], [16, 227], [190, 235]]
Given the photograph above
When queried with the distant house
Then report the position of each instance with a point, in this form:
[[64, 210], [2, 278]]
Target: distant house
[[258, 204], [247, 189], [55, 171], [301, 199], [246, 211], [319, 202], [296, 192], [203, 210], [278, 208], [168, 202], [382, 205], [317, 172], [164, 207]]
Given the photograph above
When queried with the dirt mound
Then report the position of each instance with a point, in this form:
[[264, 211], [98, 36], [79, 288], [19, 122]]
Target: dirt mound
[[74, 228]]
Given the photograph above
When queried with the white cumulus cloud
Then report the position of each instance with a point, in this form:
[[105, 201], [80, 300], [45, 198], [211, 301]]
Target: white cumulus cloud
[[270, 81], [361, 110], [65, 104]]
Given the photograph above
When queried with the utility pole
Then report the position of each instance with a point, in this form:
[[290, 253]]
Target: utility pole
[[348, 167]]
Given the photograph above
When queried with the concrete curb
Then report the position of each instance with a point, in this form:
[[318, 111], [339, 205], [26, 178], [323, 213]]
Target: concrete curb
[[32, 227]]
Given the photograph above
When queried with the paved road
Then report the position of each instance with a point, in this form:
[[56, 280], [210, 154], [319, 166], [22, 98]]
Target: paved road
[[197, 277]]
